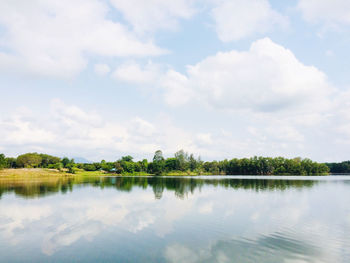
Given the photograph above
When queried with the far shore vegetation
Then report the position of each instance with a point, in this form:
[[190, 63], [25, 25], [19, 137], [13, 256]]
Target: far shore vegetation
[[36, 164]]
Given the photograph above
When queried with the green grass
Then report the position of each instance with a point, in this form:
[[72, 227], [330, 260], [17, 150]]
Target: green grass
[[184, 173], [41, 172], [30, 172]]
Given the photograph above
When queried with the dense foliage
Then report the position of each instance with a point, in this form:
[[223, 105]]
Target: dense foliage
[[341, 168], [181, 163], [31, 160], [3, 163]]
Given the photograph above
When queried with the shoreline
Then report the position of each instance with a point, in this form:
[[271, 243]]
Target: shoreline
[[44, 172]]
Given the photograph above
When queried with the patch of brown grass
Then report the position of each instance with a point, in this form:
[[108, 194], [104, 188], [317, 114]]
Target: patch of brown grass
[[30, 173]]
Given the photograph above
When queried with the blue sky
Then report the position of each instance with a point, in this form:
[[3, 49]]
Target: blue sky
[[218, 78]]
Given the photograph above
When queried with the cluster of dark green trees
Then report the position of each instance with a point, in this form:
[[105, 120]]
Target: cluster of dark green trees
[[35, 160], [183, 163], [246, 166], [339, 168]]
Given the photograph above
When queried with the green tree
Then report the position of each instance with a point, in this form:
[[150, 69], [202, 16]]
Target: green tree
[[107, 166], [46, 160], [89, 167], [3, 163], [11, 162], [171, 164], [182, 159], [65, 161], [127, 158], [158, 164], [193, 163], [144, 165], [118, 168], [29, 160], [71, 169], [158, 156]]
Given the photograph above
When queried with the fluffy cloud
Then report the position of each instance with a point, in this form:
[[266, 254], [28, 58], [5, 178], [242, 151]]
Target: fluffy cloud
[[276, 106], [67, 129], [343, 121], [23, 128], [237, 19], [281, 106], [266, 78], [330, 12], [102, 69], [134, 73], [54, 38], [151, 15]]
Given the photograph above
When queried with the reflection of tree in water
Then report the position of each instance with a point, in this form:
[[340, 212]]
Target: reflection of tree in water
[[181, 186], [37, 187], [158, 188]]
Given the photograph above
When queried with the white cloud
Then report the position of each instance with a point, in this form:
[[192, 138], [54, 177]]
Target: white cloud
[[67, 129], [134, 73], [331, 13], [142, 127], [177, 92], [266, 78], [55, 38], [70, 114], [342, 124], [238, 19], [151, 15], [204, 138], [22, 128], [281, 106], [239, 90], [102, 69]]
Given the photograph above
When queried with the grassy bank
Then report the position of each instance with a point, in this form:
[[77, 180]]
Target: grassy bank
[[52, 173], [41, 172], [30, 172]]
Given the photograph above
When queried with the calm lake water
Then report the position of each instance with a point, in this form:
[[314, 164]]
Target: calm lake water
[[158, 219]]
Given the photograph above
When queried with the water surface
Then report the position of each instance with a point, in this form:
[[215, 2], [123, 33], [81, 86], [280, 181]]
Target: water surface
[[162, 219]]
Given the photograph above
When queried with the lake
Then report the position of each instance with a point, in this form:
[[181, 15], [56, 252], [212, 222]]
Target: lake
[[176, 219]]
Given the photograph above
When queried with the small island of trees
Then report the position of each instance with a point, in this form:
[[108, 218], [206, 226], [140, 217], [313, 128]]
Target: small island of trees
[[181, 164]]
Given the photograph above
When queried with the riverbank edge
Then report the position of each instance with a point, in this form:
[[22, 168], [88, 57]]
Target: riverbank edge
[[43, 172]]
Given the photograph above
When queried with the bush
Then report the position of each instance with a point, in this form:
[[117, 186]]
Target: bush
[[72, 170], [57, 166]]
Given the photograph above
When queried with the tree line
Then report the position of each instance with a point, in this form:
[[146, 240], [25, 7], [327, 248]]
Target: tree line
[[339, 168], [181, 162]]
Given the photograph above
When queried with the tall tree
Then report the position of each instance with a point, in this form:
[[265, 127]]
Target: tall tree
[[3, 163], [182, 159], [158, 164], [158, 156], [29, 160]]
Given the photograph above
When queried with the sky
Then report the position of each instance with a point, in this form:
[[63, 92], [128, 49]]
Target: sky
[[101, 79]]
